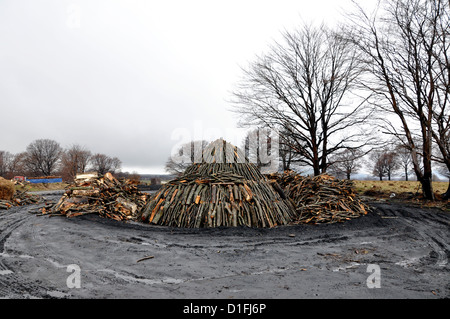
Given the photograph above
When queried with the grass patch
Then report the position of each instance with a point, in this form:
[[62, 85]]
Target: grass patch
[[42, 187], [397, 187], [407, 191]]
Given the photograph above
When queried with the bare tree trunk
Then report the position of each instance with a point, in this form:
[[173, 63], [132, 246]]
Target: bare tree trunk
[[402, 62], [427, 185], [323, 162], [316, 159]]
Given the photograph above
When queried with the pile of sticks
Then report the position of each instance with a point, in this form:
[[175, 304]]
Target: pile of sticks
[[321, 199], [20, 198], [240, 170], [103, 195]]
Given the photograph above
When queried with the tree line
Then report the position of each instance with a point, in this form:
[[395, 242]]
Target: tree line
[[391, 161], [343, 92], [46, 157]]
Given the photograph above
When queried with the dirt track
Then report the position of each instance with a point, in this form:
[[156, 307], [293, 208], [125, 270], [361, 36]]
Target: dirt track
[[410, 246]]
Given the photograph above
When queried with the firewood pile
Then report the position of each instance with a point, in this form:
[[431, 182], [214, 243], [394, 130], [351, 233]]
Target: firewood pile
[[320, 199], [10, 197], [103, 195], [20, 198], [218, 193]]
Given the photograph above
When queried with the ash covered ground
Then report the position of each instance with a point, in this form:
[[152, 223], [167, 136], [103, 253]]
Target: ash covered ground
[[396, 251]]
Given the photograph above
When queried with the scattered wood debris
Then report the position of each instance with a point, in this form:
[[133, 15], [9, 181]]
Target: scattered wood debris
[[321, 199], [103, 195], [20, 198], [145, 258]]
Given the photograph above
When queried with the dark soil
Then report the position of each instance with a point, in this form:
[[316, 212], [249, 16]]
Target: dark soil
[[410, 245]]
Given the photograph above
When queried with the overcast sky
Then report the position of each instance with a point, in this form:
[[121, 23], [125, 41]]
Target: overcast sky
[[120, 77]]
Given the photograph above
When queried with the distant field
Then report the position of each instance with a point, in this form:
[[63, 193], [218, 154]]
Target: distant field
[[397, 187], [42, 187], [385, 187]]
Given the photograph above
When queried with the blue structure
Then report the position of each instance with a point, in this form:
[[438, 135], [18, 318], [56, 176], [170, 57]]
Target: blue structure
[[45, 180]]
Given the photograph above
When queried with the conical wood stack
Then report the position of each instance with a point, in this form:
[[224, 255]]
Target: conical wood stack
[[223, 190]]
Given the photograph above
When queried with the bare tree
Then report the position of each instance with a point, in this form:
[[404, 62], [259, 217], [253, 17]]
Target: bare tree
[[404, 158], [186, 155], [384, 162], [302, 87], [5, 163], [17, 165], [43, 156], [103, 164], [440, 79], [391, 163], [75, 160], [346, 162], [405, 51], [376, 158], [174, 167], [442, 168], [288, 155], [442, 163]]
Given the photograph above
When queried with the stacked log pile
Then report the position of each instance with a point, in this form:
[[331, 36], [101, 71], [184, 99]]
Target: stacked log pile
[[220, 191], [321, 199], [102, 195]]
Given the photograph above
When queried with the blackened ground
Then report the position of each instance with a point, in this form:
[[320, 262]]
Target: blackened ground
[[402, 249]]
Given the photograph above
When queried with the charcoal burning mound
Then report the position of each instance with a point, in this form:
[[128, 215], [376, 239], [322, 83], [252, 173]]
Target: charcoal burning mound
[[224, 189]]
